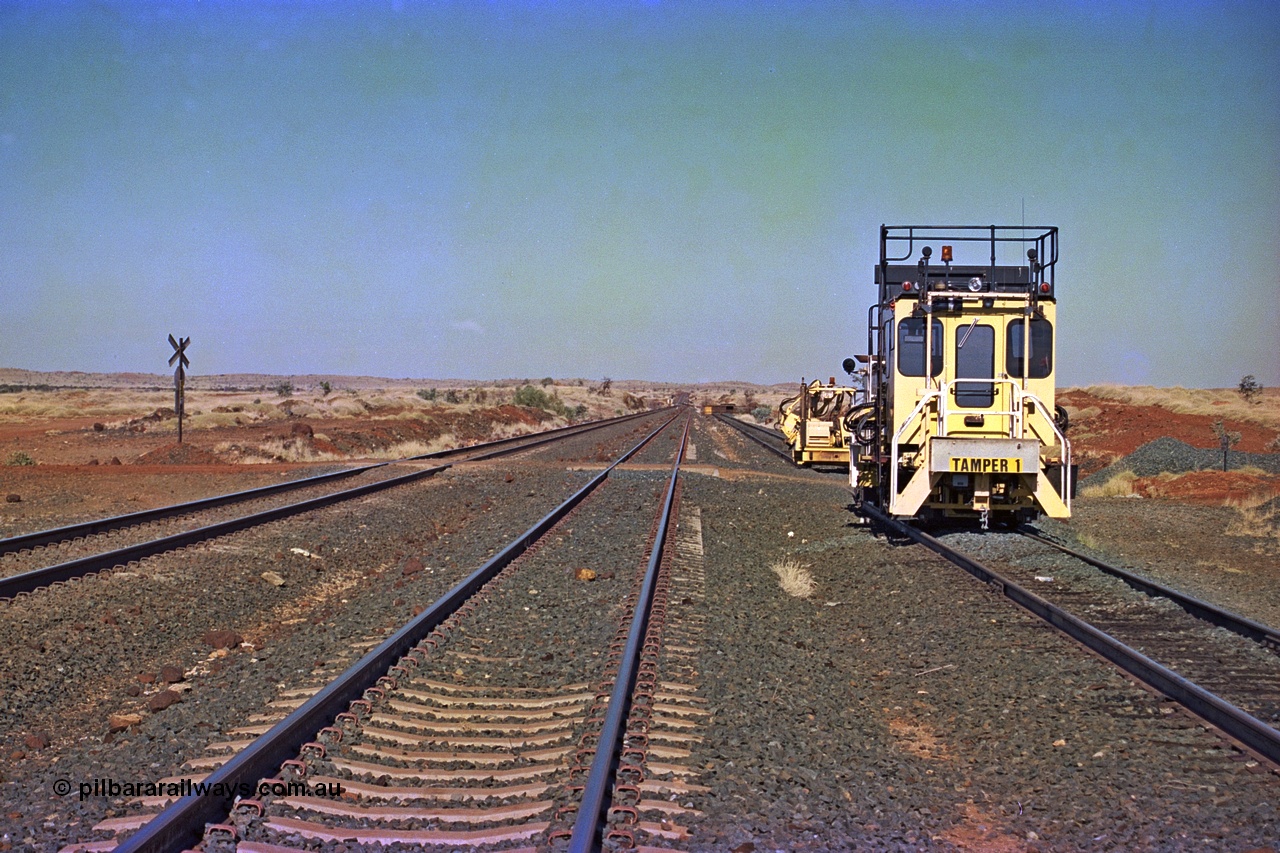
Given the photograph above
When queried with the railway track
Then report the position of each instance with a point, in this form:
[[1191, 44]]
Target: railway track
[[1203, 667], [1204, 610], [135, 536], [1131, 633], [769, 439], [526, 706]]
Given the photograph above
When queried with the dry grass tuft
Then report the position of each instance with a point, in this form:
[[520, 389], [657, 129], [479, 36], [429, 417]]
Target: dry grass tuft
[[501, 430], [1087, 540], [1082, 415], [405, 449], [1256, 521], [1257, 515], [345, 407], [794, 578], [274, 450], [212, 420], [1119, 486]]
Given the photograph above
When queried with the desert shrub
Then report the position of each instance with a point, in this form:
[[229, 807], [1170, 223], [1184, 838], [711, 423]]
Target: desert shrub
[[326, 388], [284, 389], [547, 380], [1250, 390], [19, 457], [531, 397], [451, 396], [536, 398], [761, 413], [428, 394]]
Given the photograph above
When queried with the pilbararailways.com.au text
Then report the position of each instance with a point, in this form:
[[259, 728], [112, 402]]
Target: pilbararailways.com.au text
[[188, 787]]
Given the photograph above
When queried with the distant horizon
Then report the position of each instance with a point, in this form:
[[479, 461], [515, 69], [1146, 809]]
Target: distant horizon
[[9, 375]]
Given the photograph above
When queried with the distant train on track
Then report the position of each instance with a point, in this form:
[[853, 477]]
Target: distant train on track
[[957, 416]]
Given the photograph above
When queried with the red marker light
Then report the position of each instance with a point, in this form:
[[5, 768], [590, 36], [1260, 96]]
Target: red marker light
[[906, 285], [1044, 287]]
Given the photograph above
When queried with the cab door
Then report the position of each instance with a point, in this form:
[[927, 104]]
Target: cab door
[[974, 357]]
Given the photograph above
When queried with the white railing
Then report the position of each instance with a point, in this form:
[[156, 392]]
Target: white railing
[[1020, 398], [897, 436]]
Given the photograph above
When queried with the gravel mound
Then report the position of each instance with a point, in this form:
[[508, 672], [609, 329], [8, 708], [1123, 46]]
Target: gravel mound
[[1177, 457]]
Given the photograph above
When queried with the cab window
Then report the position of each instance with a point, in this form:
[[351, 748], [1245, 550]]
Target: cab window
[[1041, 349], [975, 359], [911, 347]]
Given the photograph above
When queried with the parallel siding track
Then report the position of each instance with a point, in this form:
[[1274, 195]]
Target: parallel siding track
[[1245, 728], [34, 579]]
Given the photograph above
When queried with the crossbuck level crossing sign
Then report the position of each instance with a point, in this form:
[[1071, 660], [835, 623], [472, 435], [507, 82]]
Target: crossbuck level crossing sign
[[179, 378]]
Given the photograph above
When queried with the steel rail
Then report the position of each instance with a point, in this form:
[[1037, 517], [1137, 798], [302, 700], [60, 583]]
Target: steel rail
[[588, 826], [103, 525], [1245, 728], [35, 579], [746, 429], [539, 438], [542, 438], [182, 823], [1212, 613]]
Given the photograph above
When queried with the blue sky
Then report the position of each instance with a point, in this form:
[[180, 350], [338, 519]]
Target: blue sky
[[670, 191]]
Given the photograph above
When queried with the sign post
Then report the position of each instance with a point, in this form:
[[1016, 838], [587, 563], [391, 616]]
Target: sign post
[[179, 378]]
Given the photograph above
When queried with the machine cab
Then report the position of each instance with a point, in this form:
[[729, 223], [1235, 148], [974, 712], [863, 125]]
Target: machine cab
[[967, 410]]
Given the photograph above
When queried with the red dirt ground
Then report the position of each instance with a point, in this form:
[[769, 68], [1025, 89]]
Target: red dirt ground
[[1118, 429], [83, 473], [75, 442], [1212, 488]]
